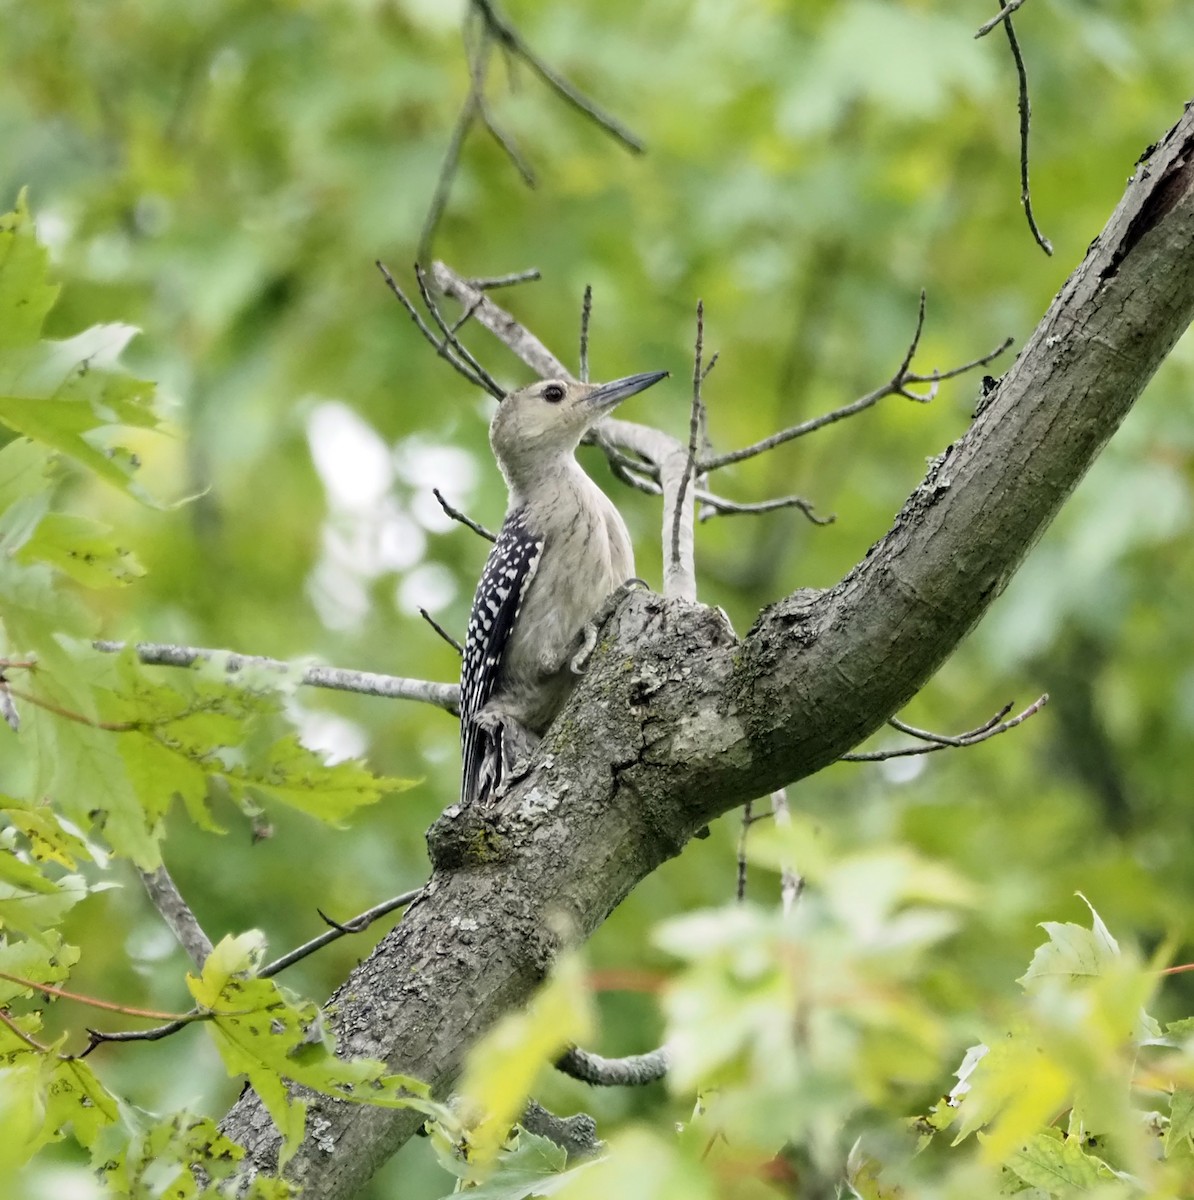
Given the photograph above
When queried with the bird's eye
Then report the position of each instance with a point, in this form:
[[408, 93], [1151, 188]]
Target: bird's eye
[[553, 393]]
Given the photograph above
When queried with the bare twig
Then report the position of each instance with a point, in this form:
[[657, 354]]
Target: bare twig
[[469, 111], [337, 679], [6, 1018], [936, 741], [1025, 118], [516, 337], [505, 33], [680, 575], [486, 282], [61, 993], [1002, 15], [586, 313], [715, 506], [358, 923], [177, 914], [898, 384], [443, 633], [631, 1071], [482, 380], [508, 145], [457, 515], [747, 821], [97, 1037], [459, 348]]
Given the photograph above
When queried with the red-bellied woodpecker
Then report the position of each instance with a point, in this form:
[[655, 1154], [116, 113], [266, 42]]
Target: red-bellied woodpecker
[[562, 549]]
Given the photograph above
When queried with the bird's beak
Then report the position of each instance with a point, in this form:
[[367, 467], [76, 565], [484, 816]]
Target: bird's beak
[[609, 394]]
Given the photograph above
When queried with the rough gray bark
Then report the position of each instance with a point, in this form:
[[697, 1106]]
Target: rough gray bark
[[679, 720]]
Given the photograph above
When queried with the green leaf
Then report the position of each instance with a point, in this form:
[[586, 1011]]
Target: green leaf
[[532, 1166], [47, 960], [26, 296], [503, 1066], [134, 1160], [1072, 952], [28, 474], [35, 911], [82, 549], [48, 837], [1058, 1165], [67, 395], [265, 1033], [1181, 1120], [293, 775]]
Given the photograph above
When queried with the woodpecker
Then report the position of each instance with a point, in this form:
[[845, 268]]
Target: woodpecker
[[562, 549]]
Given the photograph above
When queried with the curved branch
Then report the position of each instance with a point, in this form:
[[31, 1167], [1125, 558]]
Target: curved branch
[[678, 720], [633, 1070]]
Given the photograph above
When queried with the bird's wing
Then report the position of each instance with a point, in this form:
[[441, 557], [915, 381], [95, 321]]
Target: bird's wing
[[504, 582]]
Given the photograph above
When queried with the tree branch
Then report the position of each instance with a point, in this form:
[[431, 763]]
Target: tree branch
[[633, 1070], [684, 721], [177, 914], [336, 679]]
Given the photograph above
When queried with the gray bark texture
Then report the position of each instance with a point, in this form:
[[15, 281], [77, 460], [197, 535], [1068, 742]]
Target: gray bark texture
[[679, 720]]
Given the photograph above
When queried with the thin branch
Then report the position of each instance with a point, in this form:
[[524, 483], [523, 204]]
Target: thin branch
[[586, 312], [443, 633], [177, 914], [898, 384], [466, 356], [78, 718], [507, 143], [1002, 15], [1025, 118], [631, 1071], [680, 575], [485, 282], [482, 380], [457, 515], [7, 1018], [337, 679], [747, 821], [91, 1001], [462, 320], [97, 1037], [715, 506], [358, 923], [515, 336], [508, 36], [934, 742], [469, 111]]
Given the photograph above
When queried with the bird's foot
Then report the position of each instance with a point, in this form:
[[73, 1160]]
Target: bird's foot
[[516, 745], [579, 662]]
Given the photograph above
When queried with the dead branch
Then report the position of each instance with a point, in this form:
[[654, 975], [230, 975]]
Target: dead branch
[[898, 385], [939, 741]]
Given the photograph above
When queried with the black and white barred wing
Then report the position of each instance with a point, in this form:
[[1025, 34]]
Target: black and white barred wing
[[508, 573]]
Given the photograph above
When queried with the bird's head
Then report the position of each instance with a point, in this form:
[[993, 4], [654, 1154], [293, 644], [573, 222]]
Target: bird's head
[[538, 424]]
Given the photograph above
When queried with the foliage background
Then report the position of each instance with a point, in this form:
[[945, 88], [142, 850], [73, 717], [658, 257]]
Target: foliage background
[[223, 176]]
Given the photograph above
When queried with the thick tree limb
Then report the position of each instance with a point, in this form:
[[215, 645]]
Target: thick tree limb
[[679, 720]]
